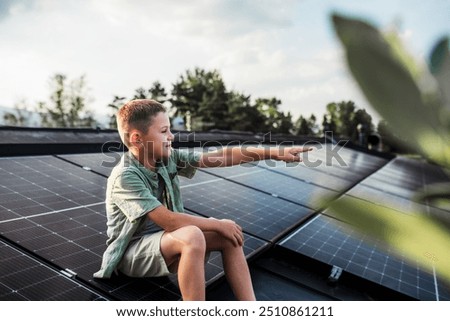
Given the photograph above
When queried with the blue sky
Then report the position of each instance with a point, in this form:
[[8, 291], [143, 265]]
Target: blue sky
[[281, 48]]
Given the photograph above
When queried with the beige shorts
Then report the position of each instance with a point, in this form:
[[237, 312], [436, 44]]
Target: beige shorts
[[143, 258]]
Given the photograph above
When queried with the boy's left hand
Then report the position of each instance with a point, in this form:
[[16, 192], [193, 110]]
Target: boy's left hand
[[290, 155]]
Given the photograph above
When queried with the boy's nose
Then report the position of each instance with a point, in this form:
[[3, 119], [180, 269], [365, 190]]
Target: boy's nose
[[171, 136]]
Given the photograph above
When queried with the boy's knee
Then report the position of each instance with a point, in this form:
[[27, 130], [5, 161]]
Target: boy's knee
[[195, 239]]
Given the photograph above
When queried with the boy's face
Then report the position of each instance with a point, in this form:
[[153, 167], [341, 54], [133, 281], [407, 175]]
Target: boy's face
[[157, 142]]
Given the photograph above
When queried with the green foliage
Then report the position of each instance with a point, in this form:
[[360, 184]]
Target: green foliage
[[243, 115], [204, 95], [307, 127], [345, 120], [156, 92], [415, 236], [19, 116], [68, 104], [415, 104], [390, 88], [276, 121]]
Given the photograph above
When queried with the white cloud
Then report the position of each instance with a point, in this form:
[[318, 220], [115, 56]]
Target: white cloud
[[262, 48]]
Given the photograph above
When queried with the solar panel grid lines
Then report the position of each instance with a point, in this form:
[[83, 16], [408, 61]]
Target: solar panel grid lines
[[100, 163], [47, 216], [261, 215], [387, 200], [49, 242], [310, 176], [335, 243], [72, 237], [24, 278], [35, 185], [341, 161], [280, 186], [75, 237]]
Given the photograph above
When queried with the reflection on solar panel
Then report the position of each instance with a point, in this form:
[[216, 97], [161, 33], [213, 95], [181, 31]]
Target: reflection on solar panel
[[309, 175], [260, 214], [99, 163], [286, 188], [24, 278], [329, 166], [335, 243], [403, 177]]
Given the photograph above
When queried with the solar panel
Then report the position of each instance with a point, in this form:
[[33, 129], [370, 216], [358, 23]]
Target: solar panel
[[24, 278], [284, 187], [337, 244], [101, 163], [52, 208], [65, 240], [404, 177], [73, 236], [378, 197], [262, 215], [37, 185], [342, 162], [309, 175]]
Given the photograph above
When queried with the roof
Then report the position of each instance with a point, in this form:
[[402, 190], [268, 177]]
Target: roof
[[53, 223]]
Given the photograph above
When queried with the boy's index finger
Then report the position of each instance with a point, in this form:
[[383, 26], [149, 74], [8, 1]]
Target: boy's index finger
[[297, 150]]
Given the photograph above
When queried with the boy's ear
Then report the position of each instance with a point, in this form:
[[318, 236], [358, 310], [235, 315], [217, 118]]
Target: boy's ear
[[135, 138]]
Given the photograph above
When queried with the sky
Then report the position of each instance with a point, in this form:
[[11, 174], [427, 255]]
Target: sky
[[263, 48]]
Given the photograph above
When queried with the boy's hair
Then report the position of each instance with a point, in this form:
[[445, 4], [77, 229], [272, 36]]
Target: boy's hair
[[137, 114]]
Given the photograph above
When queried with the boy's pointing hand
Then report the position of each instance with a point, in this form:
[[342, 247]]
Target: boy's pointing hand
[[292, 154]]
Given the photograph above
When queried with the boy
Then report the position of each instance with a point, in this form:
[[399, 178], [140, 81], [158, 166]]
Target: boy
[[148, 233]]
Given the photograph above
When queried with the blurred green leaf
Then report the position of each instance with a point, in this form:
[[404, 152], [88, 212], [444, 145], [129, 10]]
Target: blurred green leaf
[[391, 89], [440, 68], [399, 52], [437, 195], [415, 236]]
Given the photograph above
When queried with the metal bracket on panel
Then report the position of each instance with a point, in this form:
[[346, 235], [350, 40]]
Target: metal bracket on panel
[[335, 274], [86, 168], [69, 273]]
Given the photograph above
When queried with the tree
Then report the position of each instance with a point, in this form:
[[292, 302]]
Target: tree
[[244, 116], [306, 126], [203, 94], [344, 119], [115, 105], [276, 121], [156, 92], [19, 117], [364, 125], [68, 104]]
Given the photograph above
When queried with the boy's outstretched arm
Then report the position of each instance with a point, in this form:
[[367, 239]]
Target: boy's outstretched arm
[[230, 156]]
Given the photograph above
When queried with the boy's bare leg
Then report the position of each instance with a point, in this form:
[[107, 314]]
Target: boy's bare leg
[[186, 248], [235, 265]]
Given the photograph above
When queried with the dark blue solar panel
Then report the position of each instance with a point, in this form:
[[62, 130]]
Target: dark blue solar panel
[[73, 235], [24, 278], [284, 187], [384, 199], [101, 163], [404, 177], [342, 162], [39, 185], [310, 175], [260, 214], [335, 243]]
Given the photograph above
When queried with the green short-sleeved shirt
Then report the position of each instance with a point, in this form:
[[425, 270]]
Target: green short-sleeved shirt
[[132, 192]]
